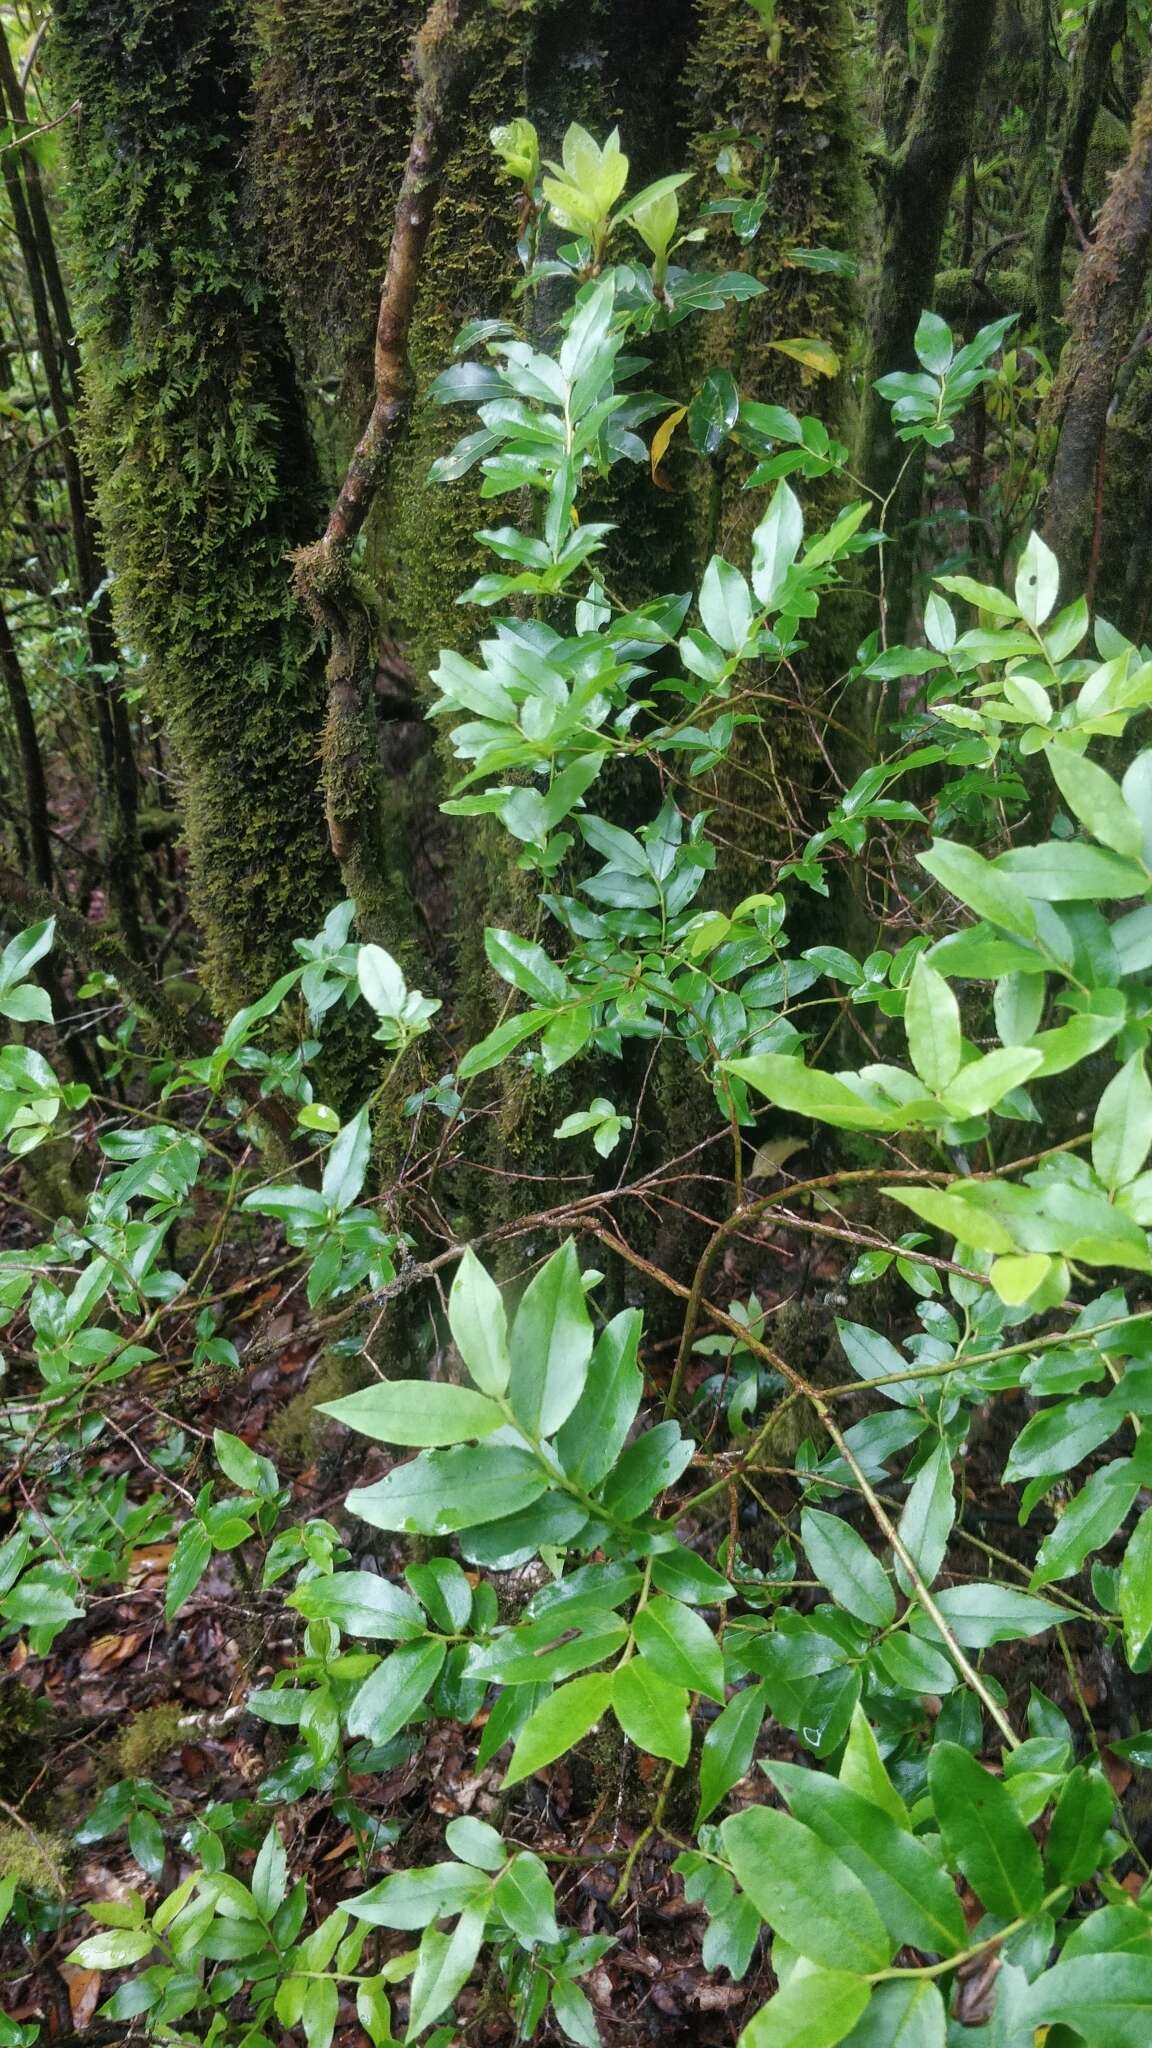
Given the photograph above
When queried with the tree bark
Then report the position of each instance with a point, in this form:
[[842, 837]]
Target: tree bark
[[915, 193], [1102, 316], [197, 436], [31, 759], [1090, 69]]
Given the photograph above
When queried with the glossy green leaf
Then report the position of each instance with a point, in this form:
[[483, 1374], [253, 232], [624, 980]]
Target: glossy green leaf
[[387, 1700], [1135, 1592], [983, 1833], [550, 1345], [932, 1024], [815, 2009], [908, 2015], [804, 1891], [680, 1646], [728, 1749], [479, 1326], [445, 1491], [916, 1899], [1106, 1998], [590, 1441], [844, 1564], [558, 1724], [417, 1412], [362, 1604], [652, 1712], [444, 1966], [525, 1899]]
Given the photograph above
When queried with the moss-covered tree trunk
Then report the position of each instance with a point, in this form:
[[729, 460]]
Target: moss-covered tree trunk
[[197, 438]]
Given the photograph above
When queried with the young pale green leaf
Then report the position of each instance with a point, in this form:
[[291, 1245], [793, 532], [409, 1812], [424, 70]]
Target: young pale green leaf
[[1096, 801], [558, 1724], [932, 1024], [729, 1747], [652, 1712], [347, 1163], [114, 1950], [680, 1646], [927, 1518], [1037, 581], [987, 890], [476, 1843], [270, 1873], [1018, 1006], [844, 1564], [550, 1345], [1122, 1130], [984, 1082], [915, 1899], [776, 543], [417, 1412], [804, 1891], [984, 1834], [791, 1085], [815, 2009], [726, 605], [381, 981], [1135, 1593], [1069, 871], [479, 1325]]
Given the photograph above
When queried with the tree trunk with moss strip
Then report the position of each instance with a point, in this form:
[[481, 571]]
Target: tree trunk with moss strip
[[197, 438]]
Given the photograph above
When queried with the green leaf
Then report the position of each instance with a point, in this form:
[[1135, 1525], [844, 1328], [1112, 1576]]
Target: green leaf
[[592, 1438], [1067, 871], [814, 2009], [381, 981], [986, 1612], [526, 966], [424, 1412], [387, 1700], [985, 889], [243, 1466], [550, 1345], [476, 1843], [1096, 801], [932, 1023], [270, 1873], [984, 1082], [558, 1724], [729, 1747], [362, 1604], [1089, 1521], [862, 1770], [908, 2015], [1135, 1592], [1106, 1998], [113, 1950], [445, 1491], [681, 1646], [791, 1085], [915, 1899], [927, 1518], [1037, 581], [525, 1898], [443, 1967], [983, 1834], [844, 1564], [726, 605], [1122, 1129], [414, 1897], [490, 1051], [776, 543], [186, 1568], [652, 1712], [804, 1892], [347, 1163], [654, 1462], [687, 1576], [479, 1326], [1076, 1836]]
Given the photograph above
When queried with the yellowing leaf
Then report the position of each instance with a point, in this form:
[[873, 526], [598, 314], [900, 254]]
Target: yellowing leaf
[[663, 436], [814, 354]]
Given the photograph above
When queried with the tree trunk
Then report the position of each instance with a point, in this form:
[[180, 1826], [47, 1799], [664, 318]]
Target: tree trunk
[[1102, 314], [31, 759], [198, 439], [1090, 68], [916, 189]]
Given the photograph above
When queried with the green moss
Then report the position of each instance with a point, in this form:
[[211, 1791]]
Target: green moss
[[149, 1738], [296, 1433], [35, 1860], [197, 437]]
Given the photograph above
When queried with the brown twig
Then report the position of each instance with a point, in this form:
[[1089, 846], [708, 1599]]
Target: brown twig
[[339, 598]]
